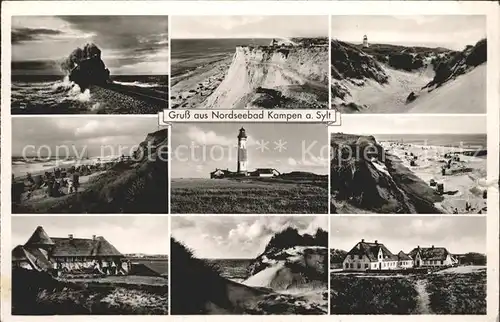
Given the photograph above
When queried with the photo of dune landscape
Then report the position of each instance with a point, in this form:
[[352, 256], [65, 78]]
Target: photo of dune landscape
[[249, 168], [249, 265], [89, 265], [441, 171], [89, 64], [421, 265], [237, 62], [89, 165], [409, 64]]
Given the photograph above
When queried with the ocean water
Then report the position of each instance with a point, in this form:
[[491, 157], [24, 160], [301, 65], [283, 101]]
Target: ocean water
[[55, 94], [233, 269], [22, 166], [449, 140], [187, 54]]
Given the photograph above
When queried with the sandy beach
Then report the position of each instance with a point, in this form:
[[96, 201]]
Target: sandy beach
[[464, 182], [190, 89]]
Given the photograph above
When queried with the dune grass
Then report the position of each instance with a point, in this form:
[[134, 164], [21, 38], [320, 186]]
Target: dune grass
[[370, 295], [248, 196], [37, 293], [458, 293]]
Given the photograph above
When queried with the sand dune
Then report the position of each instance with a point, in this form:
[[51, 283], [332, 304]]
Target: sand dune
[[465, 94], [385, 98]]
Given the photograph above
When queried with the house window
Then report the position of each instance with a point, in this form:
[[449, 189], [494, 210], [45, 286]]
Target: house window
[[359, 265], [346, 265], [442, 262], [366, 266], [352, 256]]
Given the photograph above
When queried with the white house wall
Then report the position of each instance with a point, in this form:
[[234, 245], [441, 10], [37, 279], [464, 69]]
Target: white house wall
[[356, 263]]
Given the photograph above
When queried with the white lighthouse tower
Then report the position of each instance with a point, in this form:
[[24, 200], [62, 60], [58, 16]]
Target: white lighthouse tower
[[365, 41], [242, 152]]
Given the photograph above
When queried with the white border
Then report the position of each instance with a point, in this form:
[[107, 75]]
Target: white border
[[491, 9]]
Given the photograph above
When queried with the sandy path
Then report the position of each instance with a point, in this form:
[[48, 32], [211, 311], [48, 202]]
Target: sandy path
[[423, 301]]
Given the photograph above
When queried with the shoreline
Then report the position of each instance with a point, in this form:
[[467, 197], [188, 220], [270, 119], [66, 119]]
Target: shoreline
[[193, 87], [95, 100], [463, 180]]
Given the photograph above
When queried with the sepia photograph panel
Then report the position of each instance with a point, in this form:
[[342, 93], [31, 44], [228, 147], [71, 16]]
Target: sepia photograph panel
[[422, 165], [408, 265], [89, 265], [89, 64], [249, 168], [227, 62], [249, 265], [89, 165], [409, 64]]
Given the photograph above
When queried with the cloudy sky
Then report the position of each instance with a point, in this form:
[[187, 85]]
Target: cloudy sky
[[184, 27], [200, 148], [458, 234], [453, 32], [133, 45], [411, 124], [129, 234], [237, 236], [92, 134]]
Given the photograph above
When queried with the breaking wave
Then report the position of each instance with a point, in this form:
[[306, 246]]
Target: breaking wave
[[137, 84]]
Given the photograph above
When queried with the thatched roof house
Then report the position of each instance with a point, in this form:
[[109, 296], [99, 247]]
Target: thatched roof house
[[42, 252], [432, 256]]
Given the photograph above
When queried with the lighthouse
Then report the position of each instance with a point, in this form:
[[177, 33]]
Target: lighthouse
[[242, 152], [365, 41]]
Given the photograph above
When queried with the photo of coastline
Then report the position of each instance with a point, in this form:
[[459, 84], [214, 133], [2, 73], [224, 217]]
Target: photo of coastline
[[89, 165], [226, 62], [249, 265], [249, 168], [409, 64], [421, 265], [90, 265], [89, 64], [410, 171]]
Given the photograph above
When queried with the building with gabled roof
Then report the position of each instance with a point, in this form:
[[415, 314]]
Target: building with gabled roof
[[404, 260], [370, 256], [431, 257], [265, 172], [69, 254]]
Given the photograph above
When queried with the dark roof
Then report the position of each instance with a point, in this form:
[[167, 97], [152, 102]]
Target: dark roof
[[430, 253], [39, 258], [225, 171], [32, 255], [242, 133], [83, 247], [403, 257], [371, 251], [39, 237], [18, 254]]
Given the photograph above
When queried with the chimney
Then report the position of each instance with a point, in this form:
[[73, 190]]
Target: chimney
[[70, 236], [363, 240], [376, 241], [93, 237], [418, 247], [432, 246]]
